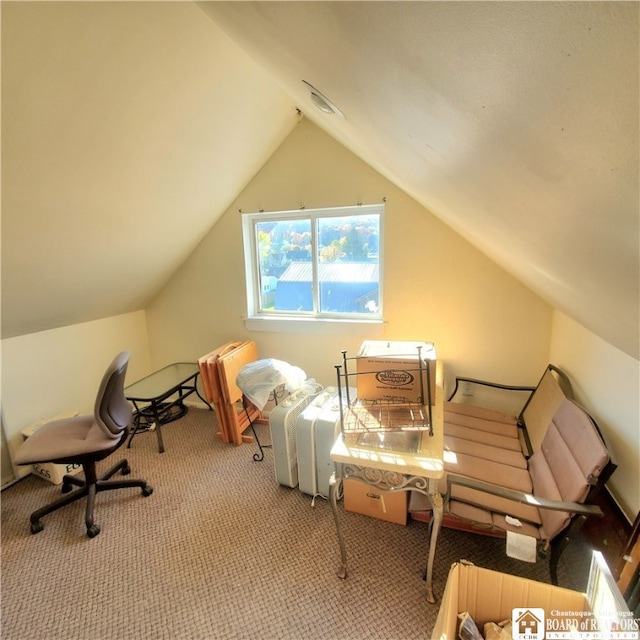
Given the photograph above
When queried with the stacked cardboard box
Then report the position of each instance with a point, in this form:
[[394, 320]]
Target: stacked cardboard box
[[368, 501], [388, 371], [392, 371]]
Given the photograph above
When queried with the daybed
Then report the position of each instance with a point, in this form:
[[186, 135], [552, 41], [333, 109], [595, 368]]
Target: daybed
[[535, 474]]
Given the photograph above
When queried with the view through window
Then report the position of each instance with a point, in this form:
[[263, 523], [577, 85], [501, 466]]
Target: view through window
[[315, 263]]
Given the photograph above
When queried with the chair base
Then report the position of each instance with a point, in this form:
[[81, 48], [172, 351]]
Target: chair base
[[89, 488]]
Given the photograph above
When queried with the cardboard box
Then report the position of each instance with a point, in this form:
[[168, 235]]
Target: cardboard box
[[550, 612], [391, 371], [53, 473], [366, 500]]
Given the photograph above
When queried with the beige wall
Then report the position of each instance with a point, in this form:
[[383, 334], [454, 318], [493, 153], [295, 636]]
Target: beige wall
[[49, 372], [437, 286], [606, 381]]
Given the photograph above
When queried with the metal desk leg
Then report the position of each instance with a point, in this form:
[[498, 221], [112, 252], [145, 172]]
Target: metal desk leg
[[195, 386], [136, 424], [334, 484], [157, 426], [434, 527]]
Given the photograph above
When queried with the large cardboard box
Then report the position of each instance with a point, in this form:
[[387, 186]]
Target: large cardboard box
[[549, 612], [391, 370], [53, 473], [366, 500]]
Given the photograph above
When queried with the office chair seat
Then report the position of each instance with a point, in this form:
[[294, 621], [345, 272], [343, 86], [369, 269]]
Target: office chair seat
[[67, 438], [86, 440]]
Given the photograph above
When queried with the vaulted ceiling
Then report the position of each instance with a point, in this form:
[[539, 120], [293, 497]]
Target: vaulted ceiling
[[516, 123]]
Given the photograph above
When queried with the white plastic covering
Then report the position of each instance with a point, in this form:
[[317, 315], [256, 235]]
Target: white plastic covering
[[258, 379]]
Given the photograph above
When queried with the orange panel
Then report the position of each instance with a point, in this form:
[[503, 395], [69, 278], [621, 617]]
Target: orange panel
[[229, 366], [213, 387]]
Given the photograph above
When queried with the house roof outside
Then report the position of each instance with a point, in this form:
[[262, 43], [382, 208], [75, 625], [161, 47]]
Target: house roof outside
[[332, 272]]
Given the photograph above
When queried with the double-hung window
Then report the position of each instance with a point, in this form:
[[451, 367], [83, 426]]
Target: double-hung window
[[315, 264]]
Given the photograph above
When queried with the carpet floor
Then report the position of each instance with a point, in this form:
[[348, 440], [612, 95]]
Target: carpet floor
[[220, 550]]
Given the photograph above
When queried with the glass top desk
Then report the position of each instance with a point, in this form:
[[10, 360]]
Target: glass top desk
[[152, 396], [395, 461]]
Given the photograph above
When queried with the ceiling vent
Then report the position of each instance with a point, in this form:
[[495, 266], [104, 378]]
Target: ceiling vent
[[321, 101]]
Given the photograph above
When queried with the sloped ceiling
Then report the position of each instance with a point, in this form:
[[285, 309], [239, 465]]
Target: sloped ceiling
[[514, 122], [128, 128]]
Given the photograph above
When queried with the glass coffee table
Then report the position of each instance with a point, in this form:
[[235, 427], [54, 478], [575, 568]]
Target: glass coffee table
[[159, 398]]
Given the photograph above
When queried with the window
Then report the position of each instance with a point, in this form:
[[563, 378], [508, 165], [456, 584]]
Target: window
[[314, 264]]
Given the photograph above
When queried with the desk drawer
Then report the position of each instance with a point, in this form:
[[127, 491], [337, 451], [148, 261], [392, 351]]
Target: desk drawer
[[369, 501]]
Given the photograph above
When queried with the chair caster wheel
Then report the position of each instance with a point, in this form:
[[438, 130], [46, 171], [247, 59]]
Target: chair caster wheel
[[66, 487], [126, 470], [147, 491], [36, 527], [93, 530]]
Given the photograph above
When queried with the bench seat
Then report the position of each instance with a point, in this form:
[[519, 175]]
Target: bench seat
[[491, 473]]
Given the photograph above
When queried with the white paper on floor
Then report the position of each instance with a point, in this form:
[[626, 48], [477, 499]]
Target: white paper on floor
[[521, 547]]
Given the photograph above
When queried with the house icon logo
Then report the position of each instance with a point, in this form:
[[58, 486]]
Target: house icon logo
[[527, 624]]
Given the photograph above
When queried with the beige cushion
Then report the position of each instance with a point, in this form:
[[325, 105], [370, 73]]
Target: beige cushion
[[545, 487], [524, 512], [481, 425], [483, 444], [582, 440], [501, 474], [470, 512], [570, 453], [477, 435], [73, 438], [485, 451], [479, 412]]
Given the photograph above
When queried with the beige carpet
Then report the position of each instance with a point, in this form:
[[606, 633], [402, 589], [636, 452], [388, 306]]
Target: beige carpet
[[219, 550]]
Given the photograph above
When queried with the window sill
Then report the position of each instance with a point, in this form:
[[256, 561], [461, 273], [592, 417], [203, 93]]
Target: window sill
[[374, 328]]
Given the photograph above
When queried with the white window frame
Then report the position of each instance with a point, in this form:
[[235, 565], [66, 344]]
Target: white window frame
[[257, 319]]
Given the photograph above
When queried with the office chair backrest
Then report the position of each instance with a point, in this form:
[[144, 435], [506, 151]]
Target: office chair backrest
[[112, 411]]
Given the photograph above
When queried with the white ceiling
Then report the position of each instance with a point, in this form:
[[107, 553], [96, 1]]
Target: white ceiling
[[514, 122]]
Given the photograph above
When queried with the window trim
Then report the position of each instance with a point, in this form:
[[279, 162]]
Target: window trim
[[257, 319]]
